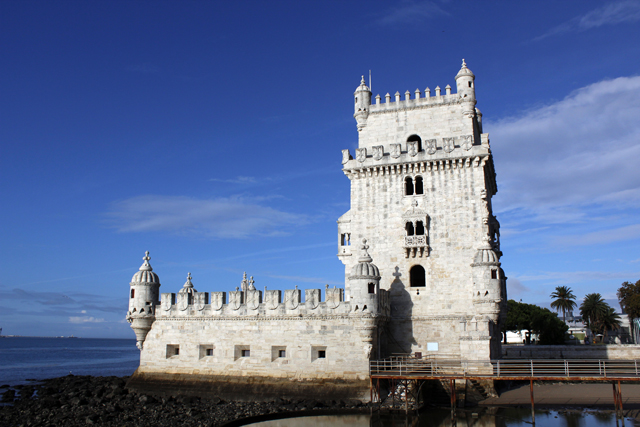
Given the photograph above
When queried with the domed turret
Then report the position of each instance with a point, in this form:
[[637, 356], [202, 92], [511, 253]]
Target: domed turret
[[362, 97], [364, 282], [188, 288], [466, 89], [143, 299]]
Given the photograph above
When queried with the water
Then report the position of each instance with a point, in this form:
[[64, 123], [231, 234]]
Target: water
[[23, 358], [484, 417]]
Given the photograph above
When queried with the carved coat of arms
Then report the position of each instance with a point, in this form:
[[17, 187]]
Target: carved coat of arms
[[361, 154], [272, 299], [412, 148], [447, 144], [430, 146], [378, 152], [166, 302], [235, 299], [217, 300], [253, 299], [395, 150], [292, 298], [466, 142], [200, 300], [311, 298], [345, 156], [333, 297], [183, 301]]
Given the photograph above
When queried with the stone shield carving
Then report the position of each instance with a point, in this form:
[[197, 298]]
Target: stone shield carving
[[361, 154], [345, 156], [272, 299], [378, 152], [217, 300], [466, 142], [334, 297], [412, 148], [253, 299], [166, 302], [292, 298], [183, 301], [430, 146], [311, 298], [447, 144], [235, 299], [395, 150], [200, 300]]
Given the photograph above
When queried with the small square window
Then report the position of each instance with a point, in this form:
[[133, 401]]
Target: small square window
[[246, 353], [278, 352], [209, 352], [282, 353], [205, 350], [241, 351], [318, 353], [173, 350]]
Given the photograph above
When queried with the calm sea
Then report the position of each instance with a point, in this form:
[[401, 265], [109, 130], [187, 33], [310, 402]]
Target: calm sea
[[23, 358]]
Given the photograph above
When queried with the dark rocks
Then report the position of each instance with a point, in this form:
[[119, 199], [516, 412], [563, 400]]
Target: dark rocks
[[104, 401]]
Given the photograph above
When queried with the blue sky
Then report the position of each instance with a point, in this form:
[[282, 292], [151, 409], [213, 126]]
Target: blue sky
[[209, 133]]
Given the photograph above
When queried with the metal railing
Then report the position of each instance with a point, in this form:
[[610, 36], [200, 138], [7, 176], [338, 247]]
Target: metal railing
[[533, 368]]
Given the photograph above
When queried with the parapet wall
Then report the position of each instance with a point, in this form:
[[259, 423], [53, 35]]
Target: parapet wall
[[251, 303], [614, 352]]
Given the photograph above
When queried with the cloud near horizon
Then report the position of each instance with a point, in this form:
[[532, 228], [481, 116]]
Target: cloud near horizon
[[229, 217], [557, 161], [409, 12], [610, 14]]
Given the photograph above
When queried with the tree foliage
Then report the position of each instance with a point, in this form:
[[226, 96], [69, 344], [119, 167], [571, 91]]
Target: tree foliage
[[629, 297], [563, 300], [537, 320], [592, 309]]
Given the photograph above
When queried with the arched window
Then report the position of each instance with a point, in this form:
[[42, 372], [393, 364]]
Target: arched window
[[419, 228], [372, 288], [417, 276], [408, 186], [409, 228], [418, 186], [416, 138]]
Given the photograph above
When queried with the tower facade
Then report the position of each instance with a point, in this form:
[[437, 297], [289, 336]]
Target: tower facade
[[421, 186]]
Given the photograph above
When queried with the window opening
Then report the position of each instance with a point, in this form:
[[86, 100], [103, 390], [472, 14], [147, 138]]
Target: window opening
[[469, 84], [322, 354], [173, 350], [246, 353], [419, 187], [419, 228], [494, 274], [372, 288], [345, 239], [408, 186], [409, 228], [282, 353], [416, 138], [133, 293], [417, 276]]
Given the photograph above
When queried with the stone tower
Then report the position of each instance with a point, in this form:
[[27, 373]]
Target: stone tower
[[144, 297], [421, 187]]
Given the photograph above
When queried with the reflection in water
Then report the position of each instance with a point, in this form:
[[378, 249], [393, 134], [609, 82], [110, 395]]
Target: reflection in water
[[482, 417]]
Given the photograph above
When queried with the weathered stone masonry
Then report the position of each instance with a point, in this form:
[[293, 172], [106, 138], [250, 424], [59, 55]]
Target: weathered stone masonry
[[421, 187]]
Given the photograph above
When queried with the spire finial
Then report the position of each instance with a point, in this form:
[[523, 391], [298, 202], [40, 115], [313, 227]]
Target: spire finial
[[464, 64], [145, 265], [365, 257], [362, 82], [188, 283]]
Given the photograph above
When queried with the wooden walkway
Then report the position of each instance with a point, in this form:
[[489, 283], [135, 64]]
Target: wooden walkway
[[409, 373]]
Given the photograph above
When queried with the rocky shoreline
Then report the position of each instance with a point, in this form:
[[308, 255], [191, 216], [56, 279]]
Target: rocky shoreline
[[105, 401]]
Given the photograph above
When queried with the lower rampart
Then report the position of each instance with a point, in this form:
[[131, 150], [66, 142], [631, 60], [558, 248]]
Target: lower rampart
[[249, 388]]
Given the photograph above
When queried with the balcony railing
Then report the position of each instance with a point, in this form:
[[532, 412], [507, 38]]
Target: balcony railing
[[415, 241]]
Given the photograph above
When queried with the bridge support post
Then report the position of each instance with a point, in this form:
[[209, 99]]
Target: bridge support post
[[533, 413], [617, 401]]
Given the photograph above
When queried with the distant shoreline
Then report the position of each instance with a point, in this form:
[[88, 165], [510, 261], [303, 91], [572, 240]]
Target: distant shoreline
[[67, 337]]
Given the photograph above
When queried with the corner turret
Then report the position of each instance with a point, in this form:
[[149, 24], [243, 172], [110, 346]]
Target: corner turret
[[143, 298], [466, 89], [364, 282], [362, 97]]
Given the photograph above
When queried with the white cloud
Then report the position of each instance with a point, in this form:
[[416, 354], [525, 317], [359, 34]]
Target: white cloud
[[582, 151], [515, 287], [84, 319], [233, 217], [239, 180], [629, 232], [567, 277], [610, 14], [83, 311], [412, 12]]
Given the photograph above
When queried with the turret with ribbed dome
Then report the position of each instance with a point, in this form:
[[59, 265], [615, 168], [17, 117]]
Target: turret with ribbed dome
[[465, 84], [143, 299], [362, 97], [364, 282]]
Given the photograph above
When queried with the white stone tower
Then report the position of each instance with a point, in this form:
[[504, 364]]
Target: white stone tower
[[421, 187], [144, 297]]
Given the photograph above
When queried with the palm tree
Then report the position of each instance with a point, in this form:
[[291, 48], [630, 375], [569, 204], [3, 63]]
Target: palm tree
[[564, 300], [609, 321], [592, 309]]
